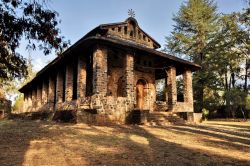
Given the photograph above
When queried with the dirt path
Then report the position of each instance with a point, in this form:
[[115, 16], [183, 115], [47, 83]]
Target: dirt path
[[45, 143]]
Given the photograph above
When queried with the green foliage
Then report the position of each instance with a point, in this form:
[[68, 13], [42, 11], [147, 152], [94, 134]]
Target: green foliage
[[205, 113], [11, 87], [17, 107], [248, 102], [217, 42], [33, 21], [196, 25], [236, 100]]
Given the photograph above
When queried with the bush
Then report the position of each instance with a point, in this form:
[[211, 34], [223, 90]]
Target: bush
[[205, 113]]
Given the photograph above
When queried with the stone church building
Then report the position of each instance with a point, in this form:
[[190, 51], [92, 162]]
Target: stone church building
[[110, 73]]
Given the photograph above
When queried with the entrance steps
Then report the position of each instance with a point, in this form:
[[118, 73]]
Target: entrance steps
[[164, 118]]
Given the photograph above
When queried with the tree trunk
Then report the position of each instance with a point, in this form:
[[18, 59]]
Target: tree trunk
[[233, 79], [246, 73]]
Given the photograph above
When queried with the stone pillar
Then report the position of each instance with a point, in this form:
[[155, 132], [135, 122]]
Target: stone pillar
[[26, 102], [39, 96], [129, 78], [69, 83], [34, 101], [171, 88], [100, 69], [188, 88], [44, 92], [59, 87], [51, 91], [129, 81], [81, 78]]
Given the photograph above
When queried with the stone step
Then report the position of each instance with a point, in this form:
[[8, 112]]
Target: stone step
[[164, 118]]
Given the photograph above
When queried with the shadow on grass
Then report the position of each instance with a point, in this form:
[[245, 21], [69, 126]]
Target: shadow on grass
[[239, 127], [94, 145]]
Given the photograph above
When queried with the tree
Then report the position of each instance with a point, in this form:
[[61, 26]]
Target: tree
[[196, 25], [33, 21], [10, 88]]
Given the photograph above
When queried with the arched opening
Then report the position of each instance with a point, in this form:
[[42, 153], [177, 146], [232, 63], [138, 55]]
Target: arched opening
[[141, 92]]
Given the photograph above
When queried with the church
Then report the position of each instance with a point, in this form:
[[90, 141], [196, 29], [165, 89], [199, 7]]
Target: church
[[109, 76]]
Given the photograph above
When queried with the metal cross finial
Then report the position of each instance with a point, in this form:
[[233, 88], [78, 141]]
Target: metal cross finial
[[131, 13]]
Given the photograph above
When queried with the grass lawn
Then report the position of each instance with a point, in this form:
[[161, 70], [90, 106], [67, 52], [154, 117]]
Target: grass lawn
[[46, 143]]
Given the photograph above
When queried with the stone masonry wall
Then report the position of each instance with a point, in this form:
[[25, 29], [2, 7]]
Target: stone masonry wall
[[34, 99], [59, 89], [100, 68], [129, 80], [81, 78], [171, 88], [51, 90], [69, 83]]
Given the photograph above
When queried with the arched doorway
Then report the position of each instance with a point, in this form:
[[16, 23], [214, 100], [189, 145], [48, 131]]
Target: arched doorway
[[140, 93]]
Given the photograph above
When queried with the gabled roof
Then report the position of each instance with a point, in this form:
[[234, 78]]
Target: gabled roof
[[97, 35], [103, 28]]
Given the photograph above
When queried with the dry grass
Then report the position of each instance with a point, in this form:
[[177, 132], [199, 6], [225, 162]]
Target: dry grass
[[45, 143]]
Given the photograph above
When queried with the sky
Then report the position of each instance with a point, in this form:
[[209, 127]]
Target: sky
[[78, 17]]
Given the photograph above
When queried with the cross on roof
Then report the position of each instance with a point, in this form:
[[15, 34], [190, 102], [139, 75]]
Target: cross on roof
[[131, 13]]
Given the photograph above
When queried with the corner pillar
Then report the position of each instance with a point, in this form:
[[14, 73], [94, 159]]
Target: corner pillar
[[188, 89]]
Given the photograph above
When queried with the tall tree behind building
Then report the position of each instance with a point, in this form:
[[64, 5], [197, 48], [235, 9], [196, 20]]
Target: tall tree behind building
[[195, 26]]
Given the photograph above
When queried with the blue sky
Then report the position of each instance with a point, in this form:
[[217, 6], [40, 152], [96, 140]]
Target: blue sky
[[80, 16]]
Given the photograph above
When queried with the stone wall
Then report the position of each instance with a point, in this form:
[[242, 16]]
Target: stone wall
[[115, 75]]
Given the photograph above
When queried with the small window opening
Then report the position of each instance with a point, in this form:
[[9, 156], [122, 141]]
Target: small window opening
[[144, 37], [113, 29], [119, 29]]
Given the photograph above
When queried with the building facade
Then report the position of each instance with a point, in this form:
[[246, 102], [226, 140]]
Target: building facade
[[107, 74]]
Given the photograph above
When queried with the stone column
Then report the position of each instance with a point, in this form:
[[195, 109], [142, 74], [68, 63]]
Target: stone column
[[29, 101], [39, 96], [129, 81], [69, 83], [34, 102], [100, 68], [129, 78], [171, 88], [59, 87], [187, 88], [51, 91], [44, 92], [24, 102], [81, 78]]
